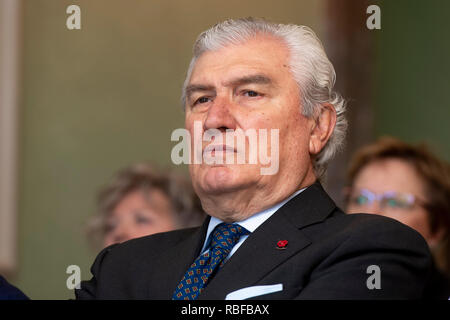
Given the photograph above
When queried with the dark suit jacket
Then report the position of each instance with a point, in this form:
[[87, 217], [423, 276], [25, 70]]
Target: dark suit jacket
[[327, 257]]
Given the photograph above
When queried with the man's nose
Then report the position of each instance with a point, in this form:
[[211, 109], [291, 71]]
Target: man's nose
[[220, 115]]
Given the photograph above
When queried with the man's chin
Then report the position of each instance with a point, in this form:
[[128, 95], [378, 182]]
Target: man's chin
[[220, 179]]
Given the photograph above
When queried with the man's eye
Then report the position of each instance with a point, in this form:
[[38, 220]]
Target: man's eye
[[251, 93], [201, 100]]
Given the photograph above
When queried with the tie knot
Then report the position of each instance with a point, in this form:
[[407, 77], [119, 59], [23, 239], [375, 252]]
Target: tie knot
[[226, 235]]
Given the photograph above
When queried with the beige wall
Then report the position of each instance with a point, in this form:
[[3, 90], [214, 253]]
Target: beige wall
[[99, 98]]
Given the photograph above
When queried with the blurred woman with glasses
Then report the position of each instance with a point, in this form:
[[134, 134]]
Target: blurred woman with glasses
[[407, 183]]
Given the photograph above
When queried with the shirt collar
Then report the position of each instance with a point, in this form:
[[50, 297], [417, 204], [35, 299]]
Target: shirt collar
[[251, 223]]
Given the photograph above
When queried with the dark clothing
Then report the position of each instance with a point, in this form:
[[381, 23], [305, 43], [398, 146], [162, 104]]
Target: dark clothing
[[9, 292], [328, 256], [438, 286]]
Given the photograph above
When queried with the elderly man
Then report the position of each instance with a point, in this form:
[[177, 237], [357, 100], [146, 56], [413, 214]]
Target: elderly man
[[269, 236]]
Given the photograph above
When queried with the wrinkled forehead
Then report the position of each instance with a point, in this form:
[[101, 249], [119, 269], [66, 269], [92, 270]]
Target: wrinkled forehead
[[257, 55], [257, 50]]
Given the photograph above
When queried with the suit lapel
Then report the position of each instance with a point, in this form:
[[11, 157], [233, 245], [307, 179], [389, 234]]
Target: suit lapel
[[176, 262], [259, 254], [311, 206]]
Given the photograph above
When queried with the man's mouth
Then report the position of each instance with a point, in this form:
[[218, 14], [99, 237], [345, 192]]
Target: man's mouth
[[211, 149]]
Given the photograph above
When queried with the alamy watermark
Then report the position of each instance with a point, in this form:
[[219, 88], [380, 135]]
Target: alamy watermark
[[374, 280], [374, 20], [74, 280], [216, 147], [73, 21]]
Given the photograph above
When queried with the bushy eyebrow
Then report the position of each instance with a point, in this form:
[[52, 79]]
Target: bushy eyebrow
[[252, 79], [190, 89]]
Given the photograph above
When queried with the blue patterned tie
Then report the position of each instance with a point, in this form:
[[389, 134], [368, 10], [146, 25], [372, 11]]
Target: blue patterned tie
[[224, 237]]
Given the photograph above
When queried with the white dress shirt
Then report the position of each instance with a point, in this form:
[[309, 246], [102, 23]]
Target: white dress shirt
[[251, 224]]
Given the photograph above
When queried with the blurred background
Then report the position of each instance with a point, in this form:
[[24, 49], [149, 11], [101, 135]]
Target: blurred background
[[88, 102]]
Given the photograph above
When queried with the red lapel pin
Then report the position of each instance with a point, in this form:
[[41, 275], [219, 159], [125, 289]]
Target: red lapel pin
[[282, 244]]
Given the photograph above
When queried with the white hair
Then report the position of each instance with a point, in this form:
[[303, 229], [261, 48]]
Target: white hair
[[309, 64]]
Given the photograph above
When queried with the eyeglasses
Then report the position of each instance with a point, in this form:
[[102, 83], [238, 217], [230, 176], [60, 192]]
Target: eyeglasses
[[388, 199]]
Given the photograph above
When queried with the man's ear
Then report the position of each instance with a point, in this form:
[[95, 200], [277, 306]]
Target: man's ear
[[322, 126]]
